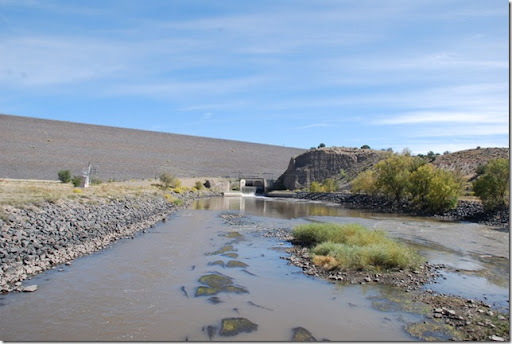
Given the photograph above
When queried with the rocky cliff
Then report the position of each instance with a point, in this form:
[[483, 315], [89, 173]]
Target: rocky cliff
[[319, 164]]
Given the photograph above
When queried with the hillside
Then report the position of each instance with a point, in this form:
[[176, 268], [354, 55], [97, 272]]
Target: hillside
[[33, 148], [320, 164], [467, 161]]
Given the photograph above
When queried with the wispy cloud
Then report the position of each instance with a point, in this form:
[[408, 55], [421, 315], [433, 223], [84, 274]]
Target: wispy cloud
[[189, 88], [418, 71], [34, 61], [442, 117], [461, 131], [313, 125]]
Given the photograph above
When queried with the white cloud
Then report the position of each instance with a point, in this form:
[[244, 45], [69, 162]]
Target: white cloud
[[420, 117], [461, 131], [189, 88], [41, 61], [314, 125]]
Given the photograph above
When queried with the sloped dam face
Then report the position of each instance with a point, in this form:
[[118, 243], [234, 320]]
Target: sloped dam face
[[214, 272]]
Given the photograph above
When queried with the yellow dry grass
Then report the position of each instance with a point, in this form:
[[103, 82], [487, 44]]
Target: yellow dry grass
[[327, 262], [24, 192]]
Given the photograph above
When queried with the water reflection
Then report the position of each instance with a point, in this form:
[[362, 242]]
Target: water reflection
[[459, 246], [143, 289], [273, 207]]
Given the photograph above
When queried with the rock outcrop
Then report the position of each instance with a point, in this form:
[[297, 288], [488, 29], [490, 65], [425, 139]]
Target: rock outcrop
[[328, 162]]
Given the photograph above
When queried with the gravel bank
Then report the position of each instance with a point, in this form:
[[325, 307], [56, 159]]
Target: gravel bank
[[35, 239]]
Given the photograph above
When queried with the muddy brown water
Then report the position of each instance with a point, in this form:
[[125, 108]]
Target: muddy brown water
[[144, 289]]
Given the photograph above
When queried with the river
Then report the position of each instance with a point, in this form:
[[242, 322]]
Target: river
[[144, 289]]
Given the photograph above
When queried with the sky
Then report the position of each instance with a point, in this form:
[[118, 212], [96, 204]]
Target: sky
[[427, 75]]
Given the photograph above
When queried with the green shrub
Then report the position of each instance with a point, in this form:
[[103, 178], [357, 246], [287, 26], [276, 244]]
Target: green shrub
[[355, 247], [402, 177], [480, 169], [198, 185], [352, 234], [434, 189], [493, 185], [392, 176], [96, 181], [77, 181], [330, 185], [365, 182], [444, 192], [169, 181], [309, 234], [365, 147], [64, 176], [315, 187]]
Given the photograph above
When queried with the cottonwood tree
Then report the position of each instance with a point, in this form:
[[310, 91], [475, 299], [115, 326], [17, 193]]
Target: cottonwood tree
[[434, 189], [492, 187], [392, 176]]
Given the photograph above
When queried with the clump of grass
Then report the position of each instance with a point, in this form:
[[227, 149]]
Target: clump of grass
[[96, 181], [353, 246], [172, 199], [327, 262], [198, 185], [76, 181], [169, 181]]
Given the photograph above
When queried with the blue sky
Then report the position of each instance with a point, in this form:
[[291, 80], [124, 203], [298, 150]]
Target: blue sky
[[423, 74]]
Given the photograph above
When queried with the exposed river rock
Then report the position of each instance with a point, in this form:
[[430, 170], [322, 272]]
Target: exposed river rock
[[35, 239], [471, 211], [407, 279]]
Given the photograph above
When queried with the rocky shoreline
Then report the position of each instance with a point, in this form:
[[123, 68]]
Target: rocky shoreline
[[37, 238], [455, 317], [459, 318], [409, 280], [465, 211], [452, 317]]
